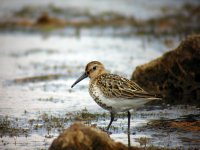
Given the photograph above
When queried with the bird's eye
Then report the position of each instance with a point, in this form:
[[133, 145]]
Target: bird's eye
[[88, 72], [94, 68]]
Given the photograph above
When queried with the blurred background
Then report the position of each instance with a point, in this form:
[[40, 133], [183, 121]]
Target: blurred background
[[44, 46]]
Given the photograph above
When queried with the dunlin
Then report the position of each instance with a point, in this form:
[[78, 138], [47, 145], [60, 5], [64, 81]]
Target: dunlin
[[112, 92]]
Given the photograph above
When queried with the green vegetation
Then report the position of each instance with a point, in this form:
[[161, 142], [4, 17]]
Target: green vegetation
[[144, 141], [9, 127], [51, 124]]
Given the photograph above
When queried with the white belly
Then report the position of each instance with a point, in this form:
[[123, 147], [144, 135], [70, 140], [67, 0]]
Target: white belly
[[115, 104]]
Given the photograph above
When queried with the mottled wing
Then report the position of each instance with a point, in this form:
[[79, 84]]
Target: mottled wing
[[114, 86]]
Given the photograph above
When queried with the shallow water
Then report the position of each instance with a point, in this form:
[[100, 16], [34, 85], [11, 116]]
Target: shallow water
[[34, 55], [29, 97]]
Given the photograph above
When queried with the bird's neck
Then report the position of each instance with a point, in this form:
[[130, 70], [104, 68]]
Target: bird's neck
[[94, 79]]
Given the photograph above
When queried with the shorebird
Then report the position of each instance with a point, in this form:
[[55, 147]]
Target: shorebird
[[113, 92]]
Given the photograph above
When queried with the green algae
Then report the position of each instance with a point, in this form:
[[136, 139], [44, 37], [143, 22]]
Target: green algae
[[144, 141], [50, 124], [9, 127]]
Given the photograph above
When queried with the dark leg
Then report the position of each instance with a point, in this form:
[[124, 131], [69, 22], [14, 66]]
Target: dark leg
[[129, 117], [111, 120]]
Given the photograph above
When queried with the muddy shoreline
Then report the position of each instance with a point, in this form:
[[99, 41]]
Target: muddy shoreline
[[44, 48], [47, 20]]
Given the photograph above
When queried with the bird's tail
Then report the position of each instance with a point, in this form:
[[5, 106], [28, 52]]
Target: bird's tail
[[154, 98]]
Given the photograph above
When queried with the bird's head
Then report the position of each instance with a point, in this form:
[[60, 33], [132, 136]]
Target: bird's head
[[92, 70]]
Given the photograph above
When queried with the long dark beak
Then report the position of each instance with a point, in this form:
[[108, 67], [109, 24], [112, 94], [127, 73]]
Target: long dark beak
[[84, 75]]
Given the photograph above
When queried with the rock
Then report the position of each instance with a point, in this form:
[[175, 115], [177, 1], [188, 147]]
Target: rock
[[82, 137], [175, 75]]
